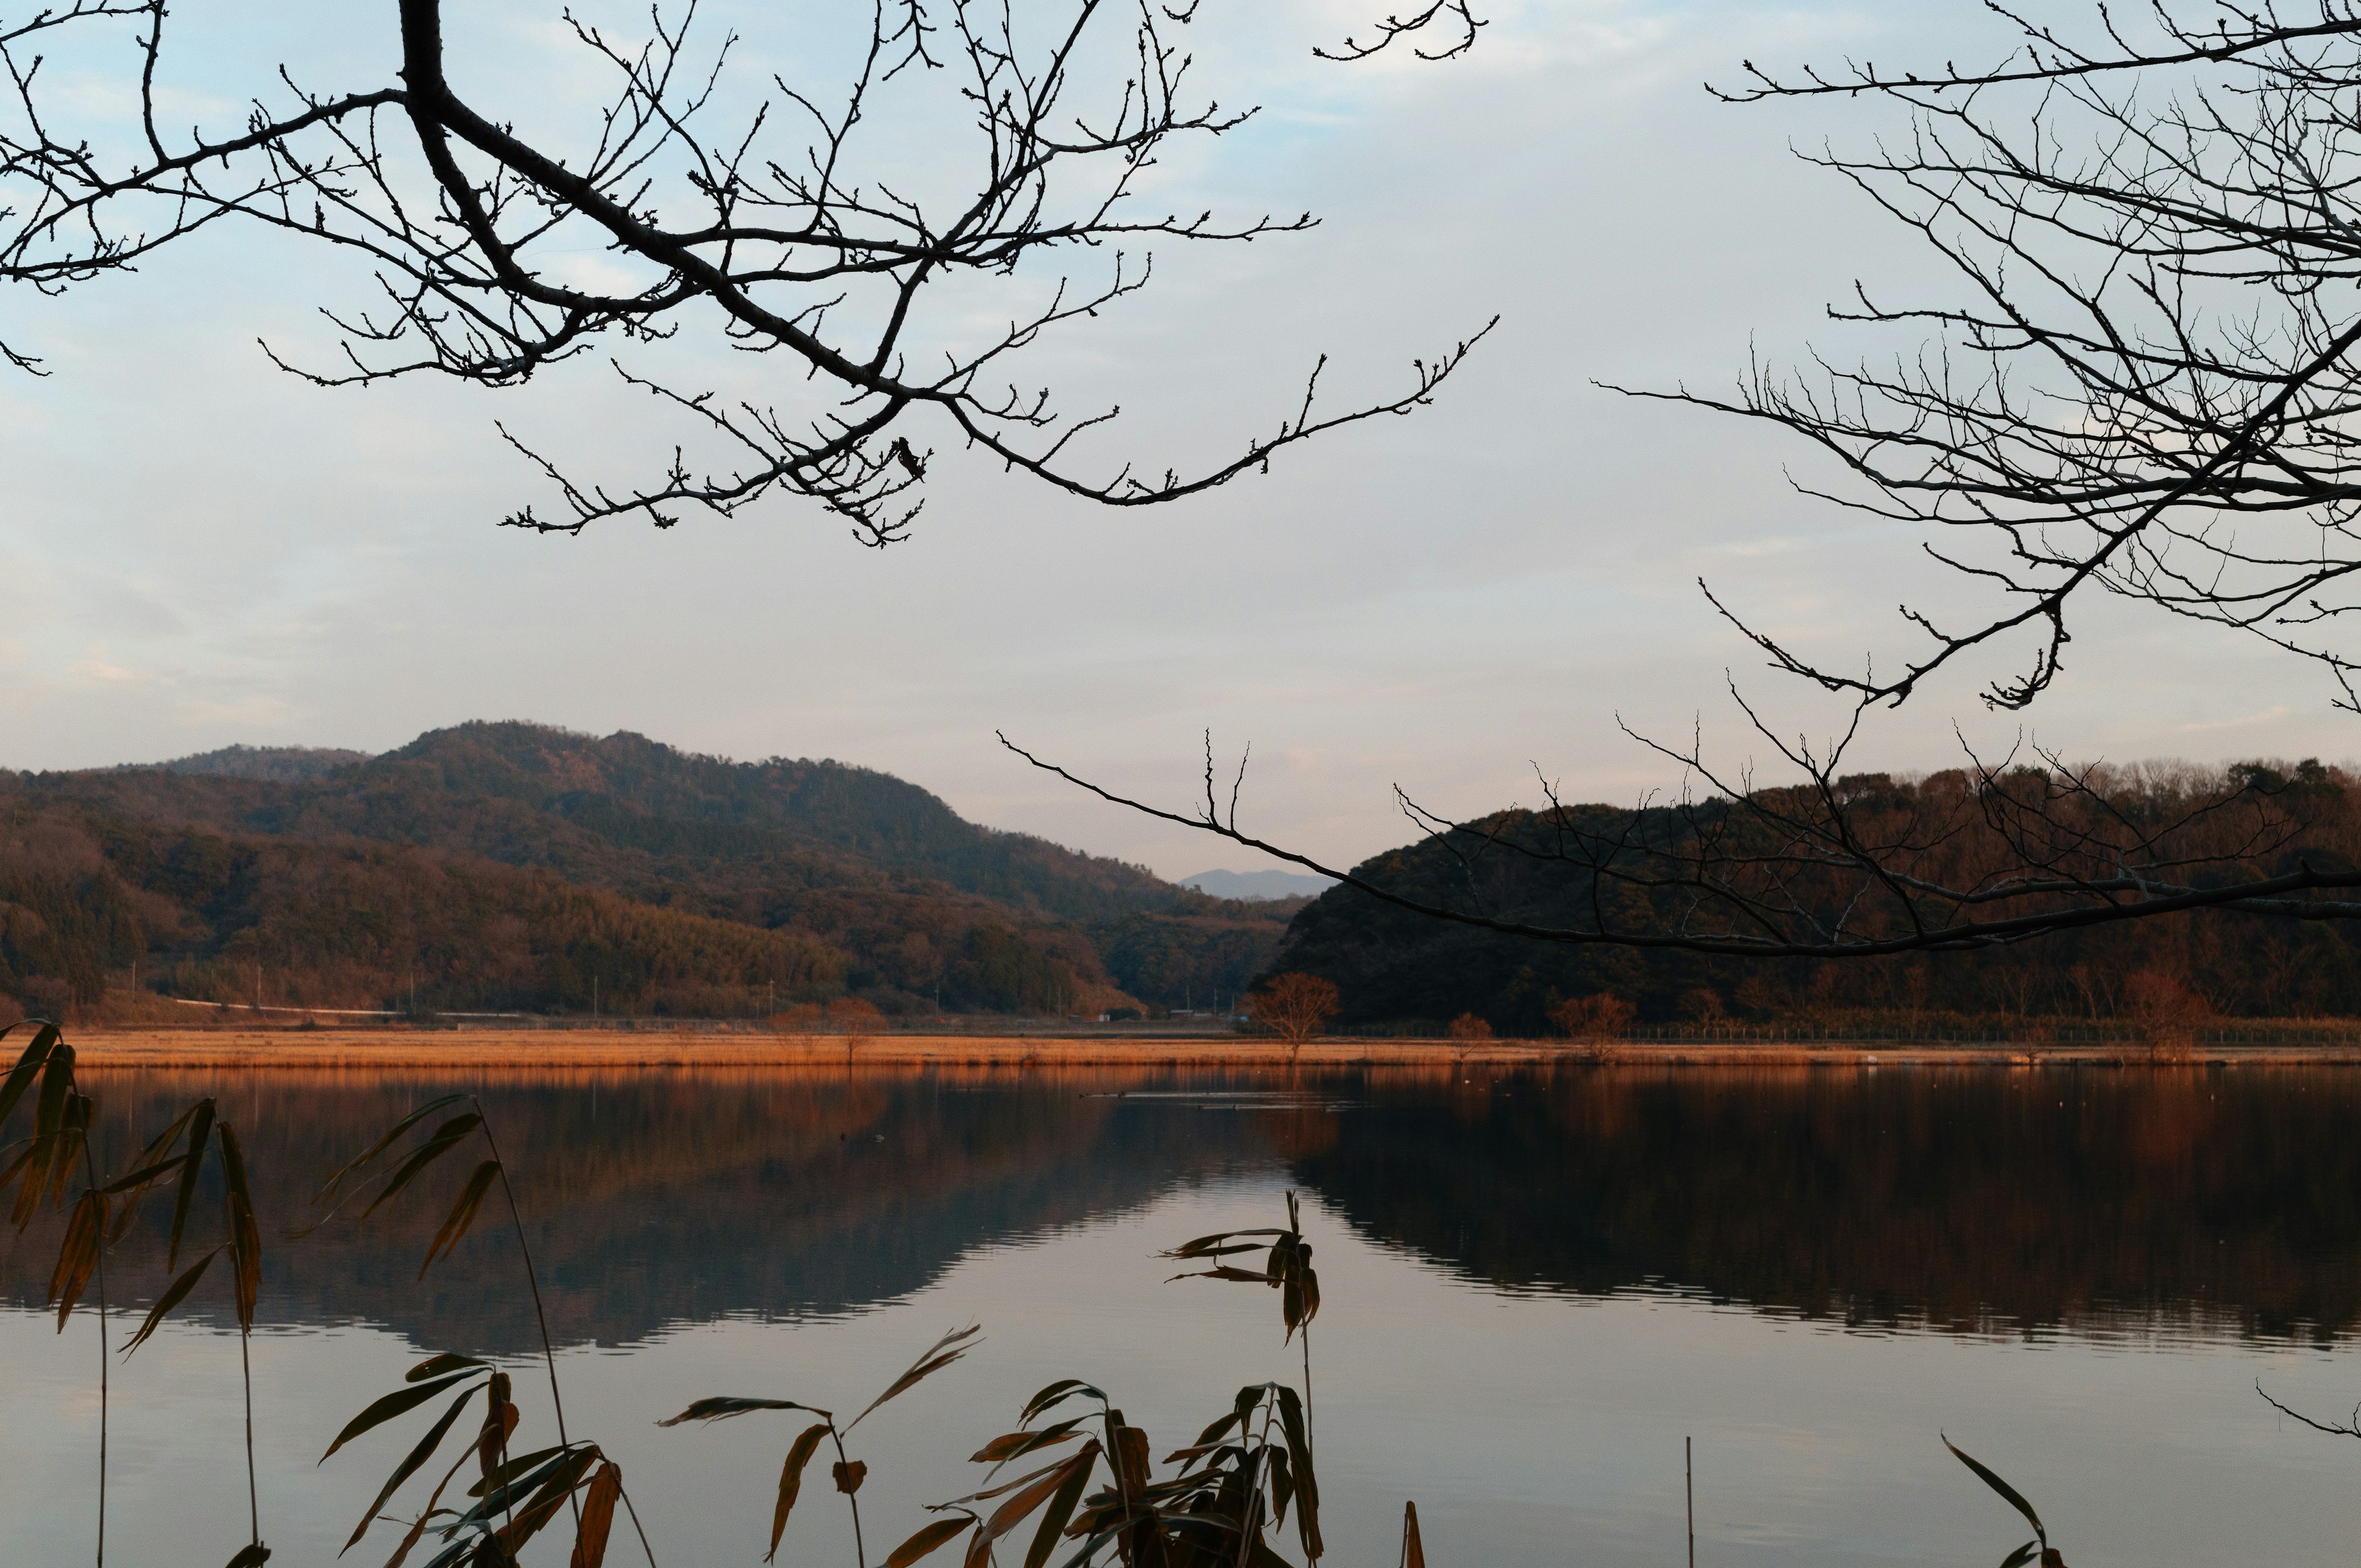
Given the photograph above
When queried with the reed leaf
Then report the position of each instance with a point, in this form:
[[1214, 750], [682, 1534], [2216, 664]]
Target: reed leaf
[[411, 1465], [1414, 1551], [1015, 1444], [436, 1365], [937, 1356], [929, 1538], [850, 1474], [554, 1488], [1056, 1393], [56, 1085], [501, 1419], [463, 1214], [73, 1132], [445, 1138], [1307, 1485], [511, 1469], [598, 1518], [246, 1239], [251, 1556], [1056, 1516], [174, 1294], [791, 1481], [2021, 1556], [721, 1408], [2016, 1499], [426, 1517], [29, 1066], [386, 1142], [151, 1167], [143, 1176], [1222, 1244], [1014, 1511], [200, 1132], [525, 1479], [78, 1255], [394, 1404]]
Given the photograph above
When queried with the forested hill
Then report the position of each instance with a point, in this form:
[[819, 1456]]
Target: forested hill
[[621, 810], [342, 875], [1396, 969]]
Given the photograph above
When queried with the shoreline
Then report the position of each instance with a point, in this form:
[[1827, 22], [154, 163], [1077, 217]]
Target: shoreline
[[362, 1051]]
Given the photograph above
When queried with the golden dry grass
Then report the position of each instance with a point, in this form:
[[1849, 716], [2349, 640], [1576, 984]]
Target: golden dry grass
[[367, 1049]]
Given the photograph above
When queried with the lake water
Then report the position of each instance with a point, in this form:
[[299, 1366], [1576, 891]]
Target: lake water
[[1536, 1286]]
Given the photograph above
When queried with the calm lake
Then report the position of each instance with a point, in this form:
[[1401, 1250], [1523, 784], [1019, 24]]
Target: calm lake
[[1536, 1285]]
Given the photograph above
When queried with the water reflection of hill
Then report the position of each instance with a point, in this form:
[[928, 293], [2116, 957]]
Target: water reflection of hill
[[1966, 1199], [1957, 1197], [658, 1199]]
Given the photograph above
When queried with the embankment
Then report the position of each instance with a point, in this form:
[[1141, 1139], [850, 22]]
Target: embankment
[[362, 1049]]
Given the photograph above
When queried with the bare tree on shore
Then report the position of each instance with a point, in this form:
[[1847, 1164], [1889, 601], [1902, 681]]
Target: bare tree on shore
[[776, 227], [2144, 386]]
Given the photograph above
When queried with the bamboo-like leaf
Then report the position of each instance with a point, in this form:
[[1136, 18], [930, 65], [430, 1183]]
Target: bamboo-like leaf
[[73, 1132], [721, 1408], [85, 1234], [1013, 1512], [1282, 1485], [2022, 1555], [1414, 1551], [499, 1424], [436, 1365], [246, 1238], [1015, 1445], [791, 1481], [1056, 1516], [2002, 1488], [1307, 1485], [511, 1469], [937, 1356], [1031, 1475], [151, 1167], [446, 1137], [29, 1066], [427, 1516], [386, 1142], [174, 1294], [394, 1404], [537, 1511], [56, 1085], [850, 1474], [502, 1496], [598, 1518], [142, 1177], [409, 1466], [253, 1556], [463, 1214], [929, 1538], [200, 1132], [1057, 1393], [1227, 1271], [1221, 1244]]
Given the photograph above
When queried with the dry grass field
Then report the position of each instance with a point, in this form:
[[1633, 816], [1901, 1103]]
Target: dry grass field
[[491, 1046]]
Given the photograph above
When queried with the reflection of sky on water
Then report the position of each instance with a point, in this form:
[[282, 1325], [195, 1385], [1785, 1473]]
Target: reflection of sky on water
[[1532, 1296], [1531, 1428]]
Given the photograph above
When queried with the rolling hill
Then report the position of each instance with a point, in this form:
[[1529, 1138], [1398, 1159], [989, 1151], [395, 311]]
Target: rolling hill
[[511, 866]]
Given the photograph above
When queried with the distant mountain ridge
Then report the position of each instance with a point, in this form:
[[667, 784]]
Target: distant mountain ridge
[[1259, 885], [289, 847], [280, 764]]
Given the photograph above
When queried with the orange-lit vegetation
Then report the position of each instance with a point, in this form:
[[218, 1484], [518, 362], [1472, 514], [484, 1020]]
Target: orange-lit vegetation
[[511, 867], [2165, 973]]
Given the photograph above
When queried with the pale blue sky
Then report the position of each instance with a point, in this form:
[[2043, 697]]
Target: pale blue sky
[[204, 551]]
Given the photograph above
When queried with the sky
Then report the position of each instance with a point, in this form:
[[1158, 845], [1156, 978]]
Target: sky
[[206, 551]]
